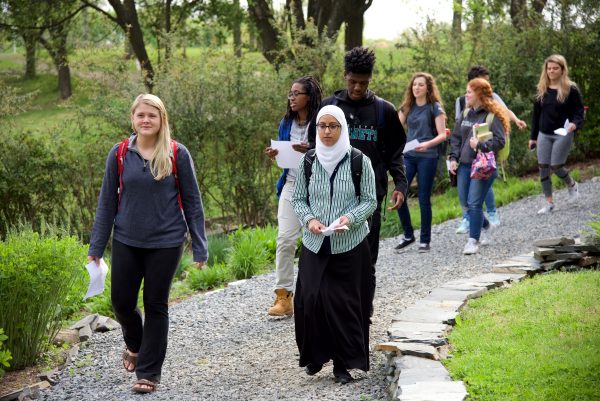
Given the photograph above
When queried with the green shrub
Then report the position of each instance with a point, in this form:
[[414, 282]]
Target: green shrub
[[210, 277], [247, 256], [218, 245], [267, 237], [4, 354], [41, 275]]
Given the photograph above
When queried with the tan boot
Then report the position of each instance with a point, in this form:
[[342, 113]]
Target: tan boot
[[284, 303]]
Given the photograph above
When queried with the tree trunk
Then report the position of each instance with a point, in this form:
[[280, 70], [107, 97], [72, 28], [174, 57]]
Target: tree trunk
[[30, 39], [296, 9], [64, 80], [518, 13], [127, 18], [57, 49], [354, 31], [237, 31], [457, 20], [168, 44], [262, 16]]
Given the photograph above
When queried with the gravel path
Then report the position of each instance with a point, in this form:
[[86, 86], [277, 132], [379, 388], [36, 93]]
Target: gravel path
[[222, 346]]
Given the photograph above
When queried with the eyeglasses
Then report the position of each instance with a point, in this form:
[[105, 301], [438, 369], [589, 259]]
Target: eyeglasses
[[332, 127], [296, 94]]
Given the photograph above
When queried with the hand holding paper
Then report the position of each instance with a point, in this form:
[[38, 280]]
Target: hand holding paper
[[336, 225], [97, 274], [411, 145], [286, 157], [564, 130]]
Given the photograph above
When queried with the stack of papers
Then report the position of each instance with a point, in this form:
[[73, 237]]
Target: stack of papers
[[482, 132], [97, 278]]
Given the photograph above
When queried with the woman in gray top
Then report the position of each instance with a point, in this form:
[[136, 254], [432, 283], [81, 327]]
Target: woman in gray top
[[422, 112], [333, 292], [149, 200]]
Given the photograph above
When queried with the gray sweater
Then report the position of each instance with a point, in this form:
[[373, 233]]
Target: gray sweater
[[463, 130], [149, 215]]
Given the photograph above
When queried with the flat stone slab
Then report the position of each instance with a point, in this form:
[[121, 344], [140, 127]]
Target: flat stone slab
[[414, 349], [445, 294], [86, 321], [413, 376], [427, 314], [450, 306], [553, 242], [414, 362], [500, 268], [520, 261], [544, 251], [499, 278], [588, 261], [433, 391]]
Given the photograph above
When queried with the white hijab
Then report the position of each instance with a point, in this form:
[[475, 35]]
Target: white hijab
[[330, 156]]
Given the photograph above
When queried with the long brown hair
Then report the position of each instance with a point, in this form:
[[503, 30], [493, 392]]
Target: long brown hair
[[483, 91], [432, 96], [564, 84]]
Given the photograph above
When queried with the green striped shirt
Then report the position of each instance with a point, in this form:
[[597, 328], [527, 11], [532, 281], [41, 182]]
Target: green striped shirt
[[327, 209]]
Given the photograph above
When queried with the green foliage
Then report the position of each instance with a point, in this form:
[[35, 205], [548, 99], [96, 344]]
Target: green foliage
[[248, 254], [538, 340], [42, 283], [218, 245], [208, 278], [5, 355]]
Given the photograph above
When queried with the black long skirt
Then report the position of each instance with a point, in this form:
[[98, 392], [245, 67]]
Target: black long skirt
[[331, 307]]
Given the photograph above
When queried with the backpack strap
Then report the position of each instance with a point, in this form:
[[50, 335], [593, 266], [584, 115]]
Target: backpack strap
[[120, 154], [174, 164], [356, 160], [380, 112], [308, 162]]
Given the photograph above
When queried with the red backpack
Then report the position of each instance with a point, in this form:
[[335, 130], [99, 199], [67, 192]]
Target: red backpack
[[122, 150]]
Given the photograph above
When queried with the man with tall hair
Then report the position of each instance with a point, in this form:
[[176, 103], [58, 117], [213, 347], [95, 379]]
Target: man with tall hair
[[374, 129]]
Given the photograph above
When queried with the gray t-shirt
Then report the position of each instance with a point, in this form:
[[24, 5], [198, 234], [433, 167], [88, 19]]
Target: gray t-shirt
[[298, 133], [421, 126]]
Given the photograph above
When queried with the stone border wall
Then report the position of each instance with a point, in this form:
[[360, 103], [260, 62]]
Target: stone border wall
[[418, 337]]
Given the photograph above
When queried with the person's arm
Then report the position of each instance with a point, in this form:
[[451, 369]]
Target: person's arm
[[496, 143], [402, 118], [193, 209], [576, 106], [394, 139], [457, 109], [368, 196], [535, 122], [107, 207], [440, 128], [512, 116]]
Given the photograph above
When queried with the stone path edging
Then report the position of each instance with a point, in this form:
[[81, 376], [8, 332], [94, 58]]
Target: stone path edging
[[419, 335]]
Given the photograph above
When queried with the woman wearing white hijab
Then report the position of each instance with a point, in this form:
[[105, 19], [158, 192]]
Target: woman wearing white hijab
[[332, 291]]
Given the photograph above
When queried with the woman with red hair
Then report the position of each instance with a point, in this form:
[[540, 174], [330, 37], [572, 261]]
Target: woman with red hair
[[464, 148]]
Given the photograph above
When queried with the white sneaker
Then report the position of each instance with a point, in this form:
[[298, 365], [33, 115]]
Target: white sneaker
[[484, 240], [471, 247], [573, 193], [463, 228], [548, 208], [493, 218]]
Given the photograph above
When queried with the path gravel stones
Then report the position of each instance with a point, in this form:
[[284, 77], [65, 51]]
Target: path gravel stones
[[222, 346]]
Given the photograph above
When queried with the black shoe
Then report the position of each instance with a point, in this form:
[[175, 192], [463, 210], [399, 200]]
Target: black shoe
[[341, 375], [424, 248], [313, 368], [405, 242]]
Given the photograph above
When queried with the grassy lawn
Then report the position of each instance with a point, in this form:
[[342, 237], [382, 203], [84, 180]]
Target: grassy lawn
[[538, 341]]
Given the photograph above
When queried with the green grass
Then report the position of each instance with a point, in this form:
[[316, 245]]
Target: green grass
[[539, 340]]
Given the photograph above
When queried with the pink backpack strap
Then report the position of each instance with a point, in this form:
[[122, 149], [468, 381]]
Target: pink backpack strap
[[121, 151], [174, 163]]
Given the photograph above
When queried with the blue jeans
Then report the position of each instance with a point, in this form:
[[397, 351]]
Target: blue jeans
[[490, 204], [472, 193], [424, 168]]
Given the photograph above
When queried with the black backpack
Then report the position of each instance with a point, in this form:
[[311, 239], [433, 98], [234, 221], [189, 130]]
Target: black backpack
[[356, 157]]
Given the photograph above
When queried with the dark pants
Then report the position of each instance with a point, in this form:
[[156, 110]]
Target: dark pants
[[147, 335], [424, 168], [373, 239]]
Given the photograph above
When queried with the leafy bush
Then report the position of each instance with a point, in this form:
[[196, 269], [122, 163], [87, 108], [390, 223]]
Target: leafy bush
[[4, 354], [42, 277], [247, 256], [210, 277], [218, 245]]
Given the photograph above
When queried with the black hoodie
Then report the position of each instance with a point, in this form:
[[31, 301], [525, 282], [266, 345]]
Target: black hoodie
[[382, 141]]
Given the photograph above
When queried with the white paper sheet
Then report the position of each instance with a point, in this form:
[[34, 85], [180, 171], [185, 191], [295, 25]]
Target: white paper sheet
[[448, 163], [332, 227], [563, 131], [286, 157], [97, 278], [410, 145]]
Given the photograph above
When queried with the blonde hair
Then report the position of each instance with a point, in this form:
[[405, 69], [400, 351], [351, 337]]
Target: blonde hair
[[432, 96], [160, 165], [483, 91], [564, 84]]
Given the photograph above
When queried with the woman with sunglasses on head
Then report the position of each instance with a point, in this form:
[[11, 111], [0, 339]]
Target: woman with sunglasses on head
[[556, 101], [303, 103], [333, 290], [421, 111]]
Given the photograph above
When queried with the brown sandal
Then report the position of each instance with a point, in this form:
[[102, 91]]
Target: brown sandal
[[131, 359], [150, 386]]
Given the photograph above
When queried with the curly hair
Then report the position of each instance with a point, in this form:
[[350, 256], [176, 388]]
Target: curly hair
[[483, 91], [313, 89], [477, 71], [564, 85], [359, 60], [432, 96]]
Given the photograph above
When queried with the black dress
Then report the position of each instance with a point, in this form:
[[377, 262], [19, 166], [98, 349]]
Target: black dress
[[331, 307]]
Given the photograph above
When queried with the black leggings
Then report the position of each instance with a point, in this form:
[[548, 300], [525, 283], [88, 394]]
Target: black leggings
[[148, 335]]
